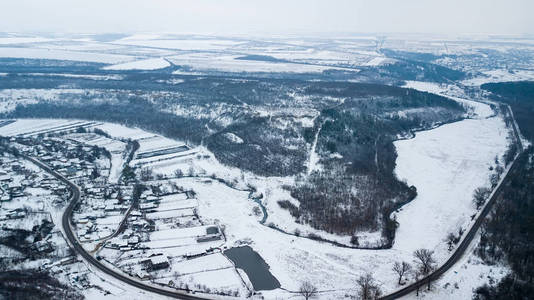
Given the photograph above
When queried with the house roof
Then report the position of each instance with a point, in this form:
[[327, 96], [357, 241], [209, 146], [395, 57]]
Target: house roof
[[158, 259]]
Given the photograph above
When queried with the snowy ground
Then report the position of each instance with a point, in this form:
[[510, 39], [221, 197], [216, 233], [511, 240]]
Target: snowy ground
[[44, 53], [198, 62], [463, 278], [146, 64], [445, 164], [500, 75]]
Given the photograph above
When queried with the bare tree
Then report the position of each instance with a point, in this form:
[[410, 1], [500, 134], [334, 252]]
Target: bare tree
[[451, 238], [417, 277], [401, 269], [426, 261], [146, 174], [178, 173], [307, 290], [369, 289], [479, 196], [191, 171]]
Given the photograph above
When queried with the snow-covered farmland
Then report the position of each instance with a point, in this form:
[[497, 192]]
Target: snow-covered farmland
[[198, 62], [500, 75], [44, 53], [174, 43], [146, 64], [445, 164]]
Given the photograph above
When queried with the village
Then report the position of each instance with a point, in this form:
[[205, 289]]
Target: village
[[144, 225]]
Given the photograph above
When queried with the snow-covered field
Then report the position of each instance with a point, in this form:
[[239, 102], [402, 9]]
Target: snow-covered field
[[201, 54], [44, 53], [229, 63], [445, 164], [464, 277], [146, 64], [456, 159], [500, 75]]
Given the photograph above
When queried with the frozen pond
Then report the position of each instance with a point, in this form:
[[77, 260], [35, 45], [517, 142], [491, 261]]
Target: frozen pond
[[256, 268]]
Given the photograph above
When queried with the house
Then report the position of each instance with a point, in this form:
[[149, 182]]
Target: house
[[111, 207], [156, 262], [146, 206], [5, 178], [135, 213], [212, 230], [16, 214], [42, 246], [121, 244], [208, 238], [193, 255], [212, 234], [16, 166], [152, 198], [71, 171], [67, 261], [138, 224], [134, 240], [143, 275]]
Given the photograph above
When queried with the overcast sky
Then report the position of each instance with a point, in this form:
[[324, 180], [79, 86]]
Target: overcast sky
[[272, 16]]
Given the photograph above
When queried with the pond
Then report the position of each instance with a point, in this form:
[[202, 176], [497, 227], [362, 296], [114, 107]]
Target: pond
[[254, 266]]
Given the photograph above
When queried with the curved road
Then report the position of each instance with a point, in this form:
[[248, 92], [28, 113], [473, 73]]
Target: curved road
[[66, 224]]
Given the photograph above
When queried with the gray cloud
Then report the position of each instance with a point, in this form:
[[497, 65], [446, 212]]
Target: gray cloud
[[273, 16]]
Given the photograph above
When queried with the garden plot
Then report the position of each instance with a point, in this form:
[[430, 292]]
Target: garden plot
[[204, 263], [162, 151], [179, 233], [112, 145], [183, 241], [179, 248], [113, 220], [158, 162], [226, 279], [188, 244], [177, 205], [28, 127], [157, 146], [123, 132], [171, 214], [173, 198]]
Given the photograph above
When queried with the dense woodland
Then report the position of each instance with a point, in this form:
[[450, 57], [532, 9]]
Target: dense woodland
[[34, 285], [520, 97], [508, 236], [355, 188]]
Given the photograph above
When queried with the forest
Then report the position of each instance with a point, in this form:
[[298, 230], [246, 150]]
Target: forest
[[508, 235]]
